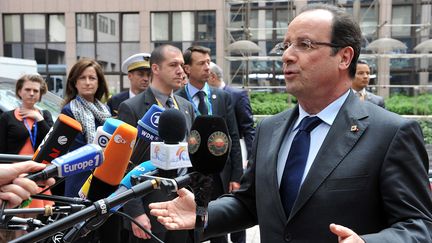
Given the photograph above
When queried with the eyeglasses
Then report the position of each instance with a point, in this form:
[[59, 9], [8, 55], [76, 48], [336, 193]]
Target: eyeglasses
[[300, 46]]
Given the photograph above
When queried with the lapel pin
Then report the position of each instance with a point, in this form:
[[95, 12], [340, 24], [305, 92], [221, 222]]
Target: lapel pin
[[213, 96], [354, 128]]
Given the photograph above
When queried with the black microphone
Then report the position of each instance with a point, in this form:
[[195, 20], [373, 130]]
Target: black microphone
[[46, 211], [209, 146], [11, 158], [58, 139]]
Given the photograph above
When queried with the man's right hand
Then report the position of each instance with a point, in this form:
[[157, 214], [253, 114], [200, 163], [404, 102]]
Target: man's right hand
[[177, 214], [144, 221]]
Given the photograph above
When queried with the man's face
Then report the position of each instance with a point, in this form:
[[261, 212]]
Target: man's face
[[361, 79], [139, 80], [213, 80], [311, 74], [170, 71], [199, 69]]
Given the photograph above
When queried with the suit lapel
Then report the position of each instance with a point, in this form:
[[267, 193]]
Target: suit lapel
[[280, 128], [347, 128]]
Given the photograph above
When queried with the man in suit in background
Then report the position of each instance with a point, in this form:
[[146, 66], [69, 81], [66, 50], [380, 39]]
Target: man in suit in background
[[361, 81], [138, 70], [331, 169], [167, 74], [245, 123], [207, 100]]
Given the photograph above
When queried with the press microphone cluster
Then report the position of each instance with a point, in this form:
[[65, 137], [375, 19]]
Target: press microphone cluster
[[208, 149]]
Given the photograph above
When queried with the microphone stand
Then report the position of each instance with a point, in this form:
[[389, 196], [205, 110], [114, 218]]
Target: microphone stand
[[103, 206]]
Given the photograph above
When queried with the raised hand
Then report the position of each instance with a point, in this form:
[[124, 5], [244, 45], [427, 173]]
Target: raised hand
[[177, 214]]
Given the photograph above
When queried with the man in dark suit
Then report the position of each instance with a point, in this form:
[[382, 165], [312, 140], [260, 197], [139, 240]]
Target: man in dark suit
[[213, 102], [138, 70], [167, 74], [361, 81], [363, 176]]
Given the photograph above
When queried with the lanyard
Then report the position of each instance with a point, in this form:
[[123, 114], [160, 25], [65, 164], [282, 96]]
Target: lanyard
[[207, 100], [161, 105], [32, 134]]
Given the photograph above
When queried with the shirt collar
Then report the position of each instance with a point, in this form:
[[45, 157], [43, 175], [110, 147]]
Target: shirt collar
[[162, 98], [193, 90], [328, 114], [131, 94]]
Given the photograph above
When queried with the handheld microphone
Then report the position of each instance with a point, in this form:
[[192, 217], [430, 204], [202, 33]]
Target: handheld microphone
[[82, 159], [103, 135], [107, 177], [147, 132], [209, 144], [171, 154], [58, 140]]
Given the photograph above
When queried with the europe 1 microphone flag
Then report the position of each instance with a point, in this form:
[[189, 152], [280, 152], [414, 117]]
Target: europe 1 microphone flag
[[58, 139], [82, 159]]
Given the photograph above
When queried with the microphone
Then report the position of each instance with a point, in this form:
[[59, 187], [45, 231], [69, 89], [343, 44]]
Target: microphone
[[107, 177], [147, 132], [208, 145], [58, 140], [171, 154], [11, 158], [103, 135], [82, 159]]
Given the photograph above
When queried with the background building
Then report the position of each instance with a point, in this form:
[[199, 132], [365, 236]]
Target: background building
[[56, 33]]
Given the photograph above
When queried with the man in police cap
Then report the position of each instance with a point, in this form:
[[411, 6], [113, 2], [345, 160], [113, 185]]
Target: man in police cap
[[138, 69]]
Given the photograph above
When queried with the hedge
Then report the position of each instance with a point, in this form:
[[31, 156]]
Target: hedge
[[266, 103]]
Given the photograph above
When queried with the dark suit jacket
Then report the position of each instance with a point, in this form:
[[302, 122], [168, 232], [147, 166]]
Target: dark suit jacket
[[375, 99], [130, 111], [221, 105], [114, 102], [244, 116], [372, 179]]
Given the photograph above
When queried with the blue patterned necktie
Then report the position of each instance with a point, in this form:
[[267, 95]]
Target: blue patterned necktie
[[296, 162], [202, 106], [169, 102]]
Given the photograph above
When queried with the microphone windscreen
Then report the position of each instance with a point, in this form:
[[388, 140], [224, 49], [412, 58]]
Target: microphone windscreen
[[172, 126], [58, 139], [209, 144], [148, 125], [107, 177], [117, 154]]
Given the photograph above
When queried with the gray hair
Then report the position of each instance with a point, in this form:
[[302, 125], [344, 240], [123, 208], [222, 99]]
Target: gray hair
[[214, 68]]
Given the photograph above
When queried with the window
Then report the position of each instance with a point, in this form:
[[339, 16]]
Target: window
[[183, 29], [115, 38], [40, 37]]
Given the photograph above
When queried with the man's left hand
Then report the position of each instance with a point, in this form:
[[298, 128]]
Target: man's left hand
[[345, 235]]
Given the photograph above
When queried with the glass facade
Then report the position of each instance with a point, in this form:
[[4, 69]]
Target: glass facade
[[40, 37], [183, 29], [109, 38]]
